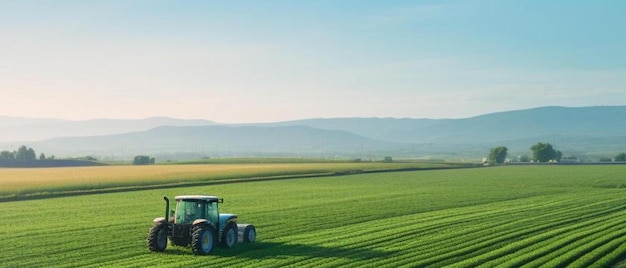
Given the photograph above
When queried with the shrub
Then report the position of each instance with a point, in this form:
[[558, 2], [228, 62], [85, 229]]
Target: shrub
[[143, 160]]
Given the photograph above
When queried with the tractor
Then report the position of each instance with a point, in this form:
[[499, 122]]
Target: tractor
[[197, 223]]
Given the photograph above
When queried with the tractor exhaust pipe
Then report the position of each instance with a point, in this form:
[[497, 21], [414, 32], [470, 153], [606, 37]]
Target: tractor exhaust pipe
[[167, 208]]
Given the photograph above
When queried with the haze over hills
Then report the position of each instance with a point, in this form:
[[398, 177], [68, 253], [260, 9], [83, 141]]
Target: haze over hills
[[582, 132], [14, 129], [545, 121]]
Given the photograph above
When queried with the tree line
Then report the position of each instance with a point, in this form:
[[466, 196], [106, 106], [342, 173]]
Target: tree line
[[27, 154], [22, 154], [542, 153]]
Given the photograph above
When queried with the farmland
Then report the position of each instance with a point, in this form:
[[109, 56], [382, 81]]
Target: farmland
[[20, 183], [503, 216]]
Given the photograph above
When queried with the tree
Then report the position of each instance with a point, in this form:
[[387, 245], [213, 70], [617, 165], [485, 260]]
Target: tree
[[25, 154], [498, 155], [605, 159], [42, 156], [143, 160], [544, 152], [559, 155], [621, 157], [6, 155]]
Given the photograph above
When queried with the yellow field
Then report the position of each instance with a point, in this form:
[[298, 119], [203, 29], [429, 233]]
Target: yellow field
[[24, 181]]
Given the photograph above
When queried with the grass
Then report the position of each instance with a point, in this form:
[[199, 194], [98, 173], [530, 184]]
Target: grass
[[24, 183], [517, 216]]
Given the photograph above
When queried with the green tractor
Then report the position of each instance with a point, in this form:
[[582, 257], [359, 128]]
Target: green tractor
[[197, 223]]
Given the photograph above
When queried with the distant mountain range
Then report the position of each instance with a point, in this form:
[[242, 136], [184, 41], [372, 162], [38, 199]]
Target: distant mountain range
[[33, 129], [583, 132]]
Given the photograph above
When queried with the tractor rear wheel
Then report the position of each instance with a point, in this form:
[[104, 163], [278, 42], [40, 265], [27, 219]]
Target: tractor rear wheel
[[229, 235], [157, 237], [202, 240]]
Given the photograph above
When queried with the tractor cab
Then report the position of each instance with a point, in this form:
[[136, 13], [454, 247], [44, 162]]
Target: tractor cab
[[190, 208]]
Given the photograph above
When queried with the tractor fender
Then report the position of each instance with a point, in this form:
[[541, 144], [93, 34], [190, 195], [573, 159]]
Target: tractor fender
[[158, 220], [203, 222], [200, 221], [226, 218]]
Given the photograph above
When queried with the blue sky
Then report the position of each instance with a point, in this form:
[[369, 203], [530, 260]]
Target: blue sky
[[252, 61]]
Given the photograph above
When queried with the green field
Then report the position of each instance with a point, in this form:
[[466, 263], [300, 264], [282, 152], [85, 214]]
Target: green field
[[30, 183], [515, 216]]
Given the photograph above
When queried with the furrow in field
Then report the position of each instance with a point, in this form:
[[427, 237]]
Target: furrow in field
[[537, 261], [544, 251], [218, 260], [91, 244], [318, 261], [566, 226], [398, 235], [420, 222], [583, 249], [476, 229], [614, 258], [137, 260], [468, 247], [600, 252], [321, 216]]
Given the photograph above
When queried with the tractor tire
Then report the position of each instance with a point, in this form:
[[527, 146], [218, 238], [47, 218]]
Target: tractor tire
[[229, 236], [203, 239], [248, 232], [157, 238]]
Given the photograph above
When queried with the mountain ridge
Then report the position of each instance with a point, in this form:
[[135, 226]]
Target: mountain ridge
[[591, 130], [34, 129]]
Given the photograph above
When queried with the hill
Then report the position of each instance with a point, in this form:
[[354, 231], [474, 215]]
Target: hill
[[599, 121], [204, 141], [21, 129], [581, 132]]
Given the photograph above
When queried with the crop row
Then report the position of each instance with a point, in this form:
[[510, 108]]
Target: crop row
[[461, 237]]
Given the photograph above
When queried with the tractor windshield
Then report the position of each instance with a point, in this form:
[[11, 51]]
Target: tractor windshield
[[188, 211]]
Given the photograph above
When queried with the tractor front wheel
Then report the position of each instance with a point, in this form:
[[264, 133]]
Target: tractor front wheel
[[157, 237], [229, 236], [202, 240]]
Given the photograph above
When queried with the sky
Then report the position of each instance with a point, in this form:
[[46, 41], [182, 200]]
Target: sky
[[235, 61]]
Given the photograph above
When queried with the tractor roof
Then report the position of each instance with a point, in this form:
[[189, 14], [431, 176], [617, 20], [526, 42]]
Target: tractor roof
[[209, 198]]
